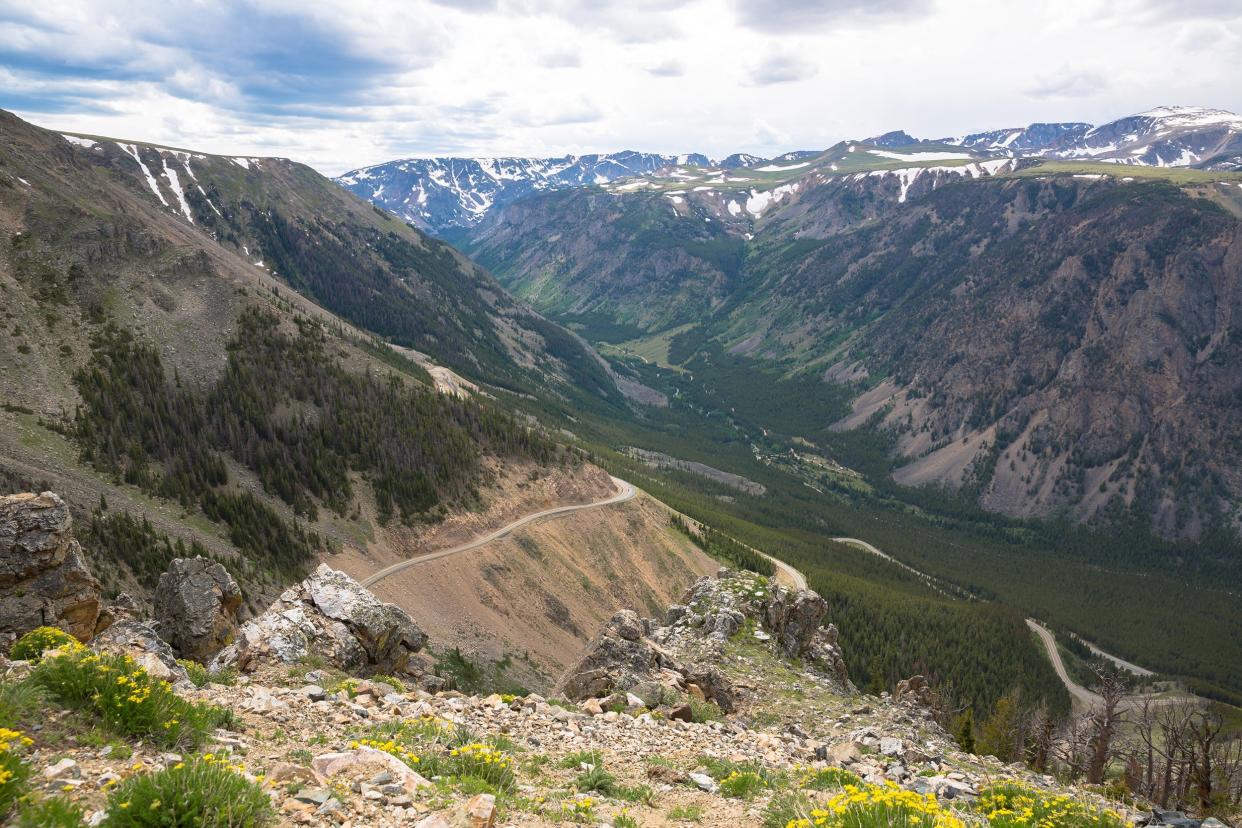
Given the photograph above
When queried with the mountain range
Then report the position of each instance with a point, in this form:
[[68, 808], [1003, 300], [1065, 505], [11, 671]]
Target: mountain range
[[441, 193], [962, 354], [1047, 336], [444, 195]]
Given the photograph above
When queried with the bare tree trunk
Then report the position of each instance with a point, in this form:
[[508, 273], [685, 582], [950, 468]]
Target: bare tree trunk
[[1104, 722]]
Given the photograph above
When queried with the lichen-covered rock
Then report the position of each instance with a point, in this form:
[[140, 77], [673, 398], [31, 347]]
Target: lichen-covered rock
[[793, 617], [334, 617], [44, 580], [196, 605], [140, 642], [618, 658]]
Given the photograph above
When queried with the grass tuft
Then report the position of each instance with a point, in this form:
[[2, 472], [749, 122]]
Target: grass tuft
[[125, 697], [199, 792]]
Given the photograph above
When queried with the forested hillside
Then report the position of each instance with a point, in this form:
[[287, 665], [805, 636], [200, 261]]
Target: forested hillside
[[989, 323], [159, 369], [801, 377]]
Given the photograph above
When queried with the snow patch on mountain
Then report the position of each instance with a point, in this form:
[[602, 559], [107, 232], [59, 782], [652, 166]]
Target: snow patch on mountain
[[922, 156], [174, 183], [85, 143], [440, 194], [132, 152]]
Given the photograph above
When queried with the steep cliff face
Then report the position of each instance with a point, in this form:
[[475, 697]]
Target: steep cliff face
[[1053, 344], [1045, 342]]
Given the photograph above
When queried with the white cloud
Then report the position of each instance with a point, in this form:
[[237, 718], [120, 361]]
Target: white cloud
[[339, 84], [671, 68], [781, 68]]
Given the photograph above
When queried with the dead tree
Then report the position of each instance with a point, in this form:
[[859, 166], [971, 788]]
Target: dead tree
[[1071, 749], [1204, 742], [1042, 726], [1105, 718]]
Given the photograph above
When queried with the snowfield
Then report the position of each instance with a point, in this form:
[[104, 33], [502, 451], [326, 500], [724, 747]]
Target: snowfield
[[922, 156]]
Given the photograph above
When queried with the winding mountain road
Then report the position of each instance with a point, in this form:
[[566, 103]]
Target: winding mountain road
[[625, 492], [792, 578], [1082, 696], [1080, 693]]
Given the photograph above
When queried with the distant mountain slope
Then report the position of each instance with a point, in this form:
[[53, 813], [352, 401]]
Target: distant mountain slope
[[1168, 136], [1045, 336], [155, 360], [439, 194], [382, 275], [1029, 139], [448, 195]]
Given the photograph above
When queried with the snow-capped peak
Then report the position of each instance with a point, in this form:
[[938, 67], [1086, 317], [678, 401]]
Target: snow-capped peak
[[1192, 116]]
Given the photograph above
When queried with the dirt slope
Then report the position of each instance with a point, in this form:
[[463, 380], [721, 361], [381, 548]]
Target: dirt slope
[[539, 594]]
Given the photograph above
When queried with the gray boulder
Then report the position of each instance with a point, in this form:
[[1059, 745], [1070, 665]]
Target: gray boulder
[[622, 659], [44, 580], [334, 617], [618, 658], [140, 642], [196, 605], [794, 618]]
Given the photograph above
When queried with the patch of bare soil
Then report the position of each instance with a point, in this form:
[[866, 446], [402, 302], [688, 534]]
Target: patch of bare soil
[[539, 594], [515, 490]]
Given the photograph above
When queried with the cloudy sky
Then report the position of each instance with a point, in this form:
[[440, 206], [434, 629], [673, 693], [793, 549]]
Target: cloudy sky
[[342, 83]]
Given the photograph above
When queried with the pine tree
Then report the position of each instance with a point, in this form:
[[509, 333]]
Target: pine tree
[[964, 731], [1002, 735]]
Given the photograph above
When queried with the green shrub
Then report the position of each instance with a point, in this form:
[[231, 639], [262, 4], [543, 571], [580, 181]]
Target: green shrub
[[1016, 805], [20, 702], [53, 812], [14, 773], [127, 699], [195, 672], [635, 793], [686, 813], [484, 762], [575, 760], [828, 779], [200, 792], [596, 779], [200, 676], [705, 711], [624, 820], [742, 784], [32, 645]]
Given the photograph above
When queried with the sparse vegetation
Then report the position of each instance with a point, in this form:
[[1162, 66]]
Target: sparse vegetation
[[32, 645], [124, 697], [200, 791]]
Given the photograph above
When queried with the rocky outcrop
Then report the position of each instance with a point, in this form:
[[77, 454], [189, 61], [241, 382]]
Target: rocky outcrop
[[914, 690], [139, 641], [640, 657], [790, 621], [44, 580], [794, 619], [619, 658], [196, 606], [332, 616]]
